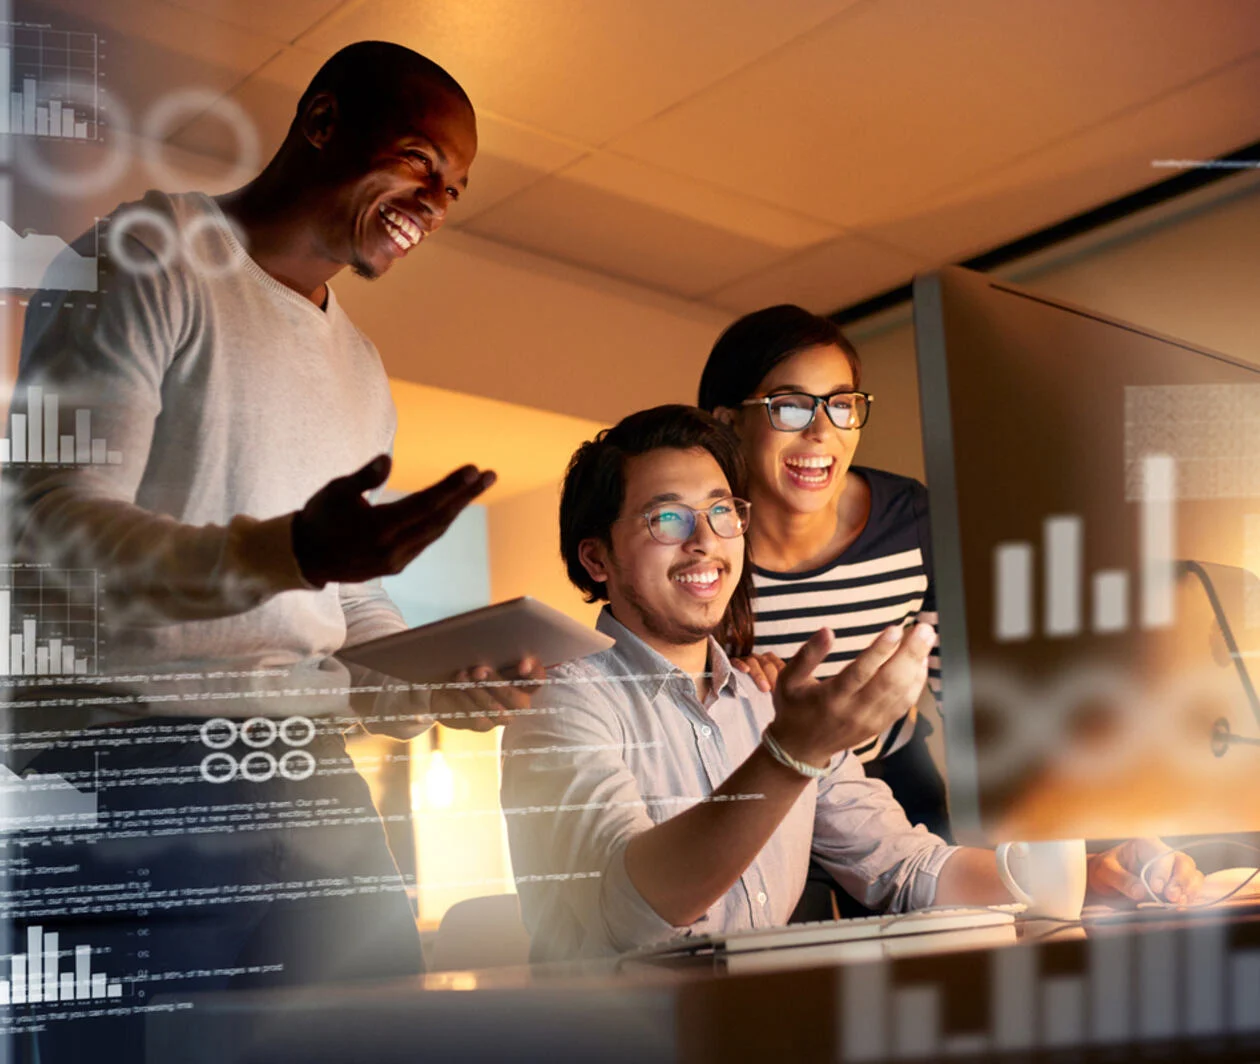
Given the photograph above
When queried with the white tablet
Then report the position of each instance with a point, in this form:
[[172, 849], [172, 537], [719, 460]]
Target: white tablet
[[498, 636]]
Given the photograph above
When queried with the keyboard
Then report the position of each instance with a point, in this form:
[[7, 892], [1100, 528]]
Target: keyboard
[[835, 932]]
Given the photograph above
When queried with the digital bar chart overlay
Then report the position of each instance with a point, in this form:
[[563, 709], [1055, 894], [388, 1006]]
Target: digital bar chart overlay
[[1159, 987], [36, 437], [1063, 547], [48, 621], [36, 976], [50, 81], [30, 261]]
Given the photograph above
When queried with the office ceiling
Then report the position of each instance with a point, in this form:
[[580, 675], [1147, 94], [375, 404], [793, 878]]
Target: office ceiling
[[743, 152]]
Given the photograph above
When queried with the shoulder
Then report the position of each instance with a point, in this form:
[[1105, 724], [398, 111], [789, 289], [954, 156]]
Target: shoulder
[[578, 697], [153, 238], [893, 488]]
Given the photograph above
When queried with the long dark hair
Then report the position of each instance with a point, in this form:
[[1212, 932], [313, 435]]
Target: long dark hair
[[595, 488], [752, 346]]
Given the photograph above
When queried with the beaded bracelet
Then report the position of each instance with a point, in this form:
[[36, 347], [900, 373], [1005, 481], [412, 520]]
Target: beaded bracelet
[[785, 759]]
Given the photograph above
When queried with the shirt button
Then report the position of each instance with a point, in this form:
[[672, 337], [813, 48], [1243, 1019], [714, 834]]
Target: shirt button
[[761, 897], [705, 730]]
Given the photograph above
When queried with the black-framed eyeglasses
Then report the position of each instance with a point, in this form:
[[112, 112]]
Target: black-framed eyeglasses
[[795, 411], [675, 522]]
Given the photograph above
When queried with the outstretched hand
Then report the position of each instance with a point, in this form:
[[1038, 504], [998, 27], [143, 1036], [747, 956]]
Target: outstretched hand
[[340, 536], [815, 719]]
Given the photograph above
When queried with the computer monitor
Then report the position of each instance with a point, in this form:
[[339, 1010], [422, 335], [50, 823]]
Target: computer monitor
[[1095, 503]]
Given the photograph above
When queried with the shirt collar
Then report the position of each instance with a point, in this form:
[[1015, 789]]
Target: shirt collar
[[656, 670]]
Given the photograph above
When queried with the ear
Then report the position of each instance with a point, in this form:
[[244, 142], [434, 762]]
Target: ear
[[727, 416], [319, 119], [593, 554]]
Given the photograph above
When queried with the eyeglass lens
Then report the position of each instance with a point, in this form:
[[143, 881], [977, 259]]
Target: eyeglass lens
[[795, 411], [675, 523]]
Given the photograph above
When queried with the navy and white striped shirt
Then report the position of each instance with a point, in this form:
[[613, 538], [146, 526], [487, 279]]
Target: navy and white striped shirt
[[883, 577]]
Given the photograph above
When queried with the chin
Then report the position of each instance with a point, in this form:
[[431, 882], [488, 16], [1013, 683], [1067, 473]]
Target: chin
[[360, 267]]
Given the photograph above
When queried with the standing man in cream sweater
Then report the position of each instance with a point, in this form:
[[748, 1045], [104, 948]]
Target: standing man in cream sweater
[[236, 553]]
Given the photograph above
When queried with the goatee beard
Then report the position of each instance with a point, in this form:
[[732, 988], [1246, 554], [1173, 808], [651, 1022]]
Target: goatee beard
[[668, 631]]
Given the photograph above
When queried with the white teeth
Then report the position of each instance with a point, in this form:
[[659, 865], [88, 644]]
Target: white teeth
[[810, 462], [405, 233], [707, 577]]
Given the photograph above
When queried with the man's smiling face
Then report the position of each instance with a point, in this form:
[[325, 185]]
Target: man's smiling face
[[393, 187], [668, 594]]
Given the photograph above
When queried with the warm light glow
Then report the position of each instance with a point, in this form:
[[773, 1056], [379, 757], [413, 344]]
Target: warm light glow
[[440, 430], [439, 782]]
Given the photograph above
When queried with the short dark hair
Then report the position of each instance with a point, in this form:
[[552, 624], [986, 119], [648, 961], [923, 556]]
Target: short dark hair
[[751, 347], [368, 77], [595, 490]]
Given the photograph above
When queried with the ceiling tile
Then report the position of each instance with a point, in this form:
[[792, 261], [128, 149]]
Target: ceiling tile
[[822, 279], [1212, 117], [509, 157], [584, 216], [901, 97], [282, 20], [580, 68], [153, 52]]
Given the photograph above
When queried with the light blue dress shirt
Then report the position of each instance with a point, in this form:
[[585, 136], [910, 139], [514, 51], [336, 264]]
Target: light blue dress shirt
[[617, 743]]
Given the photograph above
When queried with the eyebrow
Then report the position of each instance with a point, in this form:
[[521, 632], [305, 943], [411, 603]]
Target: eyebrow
[[463, 181], [781, 388], [673, 496]]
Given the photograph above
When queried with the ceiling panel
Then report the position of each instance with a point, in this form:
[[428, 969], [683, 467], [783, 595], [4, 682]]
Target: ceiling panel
[[282, 20], [901, 97], [1212, 117], [580, 68], [154, 51], [629, 221], [821, 279], [509, 158]]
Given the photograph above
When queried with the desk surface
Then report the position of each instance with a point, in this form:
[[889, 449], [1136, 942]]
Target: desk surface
[[1178, 986]]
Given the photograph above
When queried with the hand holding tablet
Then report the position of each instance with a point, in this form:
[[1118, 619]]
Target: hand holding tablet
[[481, 646]]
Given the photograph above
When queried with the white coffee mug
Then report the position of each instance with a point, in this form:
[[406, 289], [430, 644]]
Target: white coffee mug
[[1048, 877]]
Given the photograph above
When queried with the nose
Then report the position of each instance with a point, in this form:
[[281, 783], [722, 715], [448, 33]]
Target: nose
[[818, 424], [434, 201], [702, 539]]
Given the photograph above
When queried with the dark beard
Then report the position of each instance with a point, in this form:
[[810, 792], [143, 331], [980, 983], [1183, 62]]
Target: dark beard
[[668, 631], [363, 269]]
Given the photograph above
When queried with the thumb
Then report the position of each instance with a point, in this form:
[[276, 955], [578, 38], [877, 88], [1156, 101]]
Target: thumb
[[372, 475], [803, 663]]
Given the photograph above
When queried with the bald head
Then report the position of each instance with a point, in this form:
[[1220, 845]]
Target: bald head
[[377, 84]]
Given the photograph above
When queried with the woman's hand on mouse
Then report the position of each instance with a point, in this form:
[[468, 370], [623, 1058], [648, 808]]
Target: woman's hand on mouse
[[1116, 873]]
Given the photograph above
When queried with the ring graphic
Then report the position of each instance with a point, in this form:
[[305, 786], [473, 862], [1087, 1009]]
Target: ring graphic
[[218, 768], [297, 731], [258, 766], [297, 765], [218, 733], [258, 732]]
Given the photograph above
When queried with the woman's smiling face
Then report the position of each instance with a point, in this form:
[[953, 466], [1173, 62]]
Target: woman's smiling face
[[803, 472]]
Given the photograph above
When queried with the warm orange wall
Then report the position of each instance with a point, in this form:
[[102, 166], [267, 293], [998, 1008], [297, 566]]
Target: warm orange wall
[[525, 553]]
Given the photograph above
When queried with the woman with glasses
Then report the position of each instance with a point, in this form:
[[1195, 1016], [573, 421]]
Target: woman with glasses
[[833, 544]]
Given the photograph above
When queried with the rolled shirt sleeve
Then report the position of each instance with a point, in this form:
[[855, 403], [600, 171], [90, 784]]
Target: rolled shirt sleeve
[[863, 838], [572, 806]]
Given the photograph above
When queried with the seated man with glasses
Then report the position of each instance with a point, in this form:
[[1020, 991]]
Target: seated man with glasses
[[658, 790]]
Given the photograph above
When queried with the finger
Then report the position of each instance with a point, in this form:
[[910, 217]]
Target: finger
[[1108, 876], [370, 476], [405, 533], [753, 668], [497, 697], [1183, 880], [772, 665], [466, 482], [800, 669], [864, 667]]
